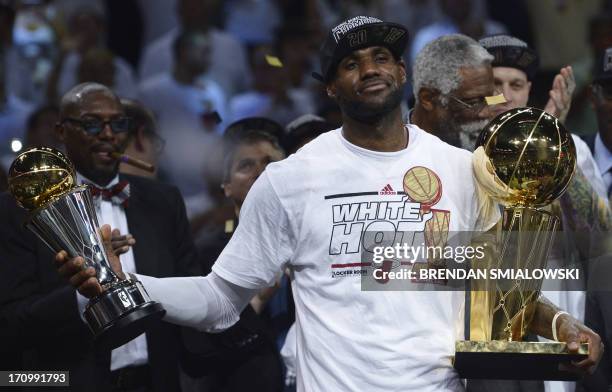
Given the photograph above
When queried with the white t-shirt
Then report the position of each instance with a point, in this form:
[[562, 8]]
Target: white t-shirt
[[308, 212]]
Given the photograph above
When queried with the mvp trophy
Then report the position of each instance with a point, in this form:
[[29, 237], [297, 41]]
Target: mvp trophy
[[525, 160], [62, 215]]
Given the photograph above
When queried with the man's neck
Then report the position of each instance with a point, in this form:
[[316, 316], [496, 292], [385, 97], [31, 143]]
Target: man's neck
[[386, 135], [422, 119]]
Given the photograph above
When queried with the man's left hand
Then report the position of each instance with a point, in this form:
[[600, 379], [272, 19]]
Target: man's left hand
[[560, 99], [573, 333]]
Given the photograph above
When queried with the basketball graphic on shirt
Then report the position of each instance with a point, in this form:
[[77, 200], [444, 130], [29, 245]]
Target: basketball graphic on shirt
[[422, 185]]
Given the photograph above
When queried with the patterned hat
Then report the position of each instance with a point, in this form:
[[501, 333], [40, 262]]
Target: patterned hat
[[358, 33], [511, 52]]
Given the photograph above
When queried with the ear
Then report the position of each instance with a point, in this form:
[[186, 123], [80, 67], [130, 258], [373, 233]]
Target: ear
[[331, 91], [227, 189], [529, 87], [403, 77], [428, 98], [139, 139]]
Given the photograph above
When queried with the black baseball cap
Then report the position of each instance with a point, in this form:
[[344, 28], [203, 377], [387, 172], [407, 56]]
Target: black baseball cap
[[305, 127], [511, 52], [604, 68], [358, 33]]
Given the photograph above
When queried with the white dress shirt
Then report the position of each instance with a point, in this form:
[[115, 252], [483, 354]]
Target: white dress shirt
[[135, 352], [603, 157]]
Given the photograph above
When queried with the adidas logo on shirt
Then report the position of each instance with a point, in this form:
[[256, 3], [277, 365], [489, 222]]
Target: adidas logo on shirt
[[387, 190]]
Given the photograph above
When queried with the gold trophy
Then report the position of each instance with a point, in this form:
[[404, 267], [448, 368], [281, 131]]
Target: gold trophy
[[525, 160], [62, 215]]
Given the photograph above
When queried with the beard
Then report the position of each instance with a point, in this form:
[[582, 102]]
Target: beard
[[469, 132], [370, 113]]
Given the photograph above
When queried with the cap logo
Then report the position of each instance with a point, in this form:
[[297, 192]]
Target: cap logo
[[607, 66], [526, 59], [393, 35], [356, 38], [339, 31]]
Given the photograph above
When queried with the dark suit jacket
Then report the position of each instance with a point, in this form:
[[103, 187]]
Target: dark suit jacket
[[38, 309], [590, 141]]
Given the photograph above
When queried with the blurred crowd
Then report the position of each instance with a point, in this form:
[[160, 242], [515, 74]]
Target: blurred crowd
[[200, 65], [192, 72]]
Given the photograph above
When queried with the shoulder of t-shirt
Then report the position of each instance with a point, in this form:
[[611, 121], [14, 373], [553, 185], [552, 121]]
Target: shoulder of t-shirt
[[433, 143], [295, 170]]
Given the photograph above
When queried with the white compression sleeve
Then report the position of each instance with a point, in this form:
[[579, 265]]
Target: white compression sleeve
[[208, 303]]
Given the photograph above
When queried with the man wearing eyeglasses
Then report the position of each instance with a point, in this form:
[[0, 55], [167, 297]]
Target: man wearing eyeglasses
[[451, 77], [42, 313]]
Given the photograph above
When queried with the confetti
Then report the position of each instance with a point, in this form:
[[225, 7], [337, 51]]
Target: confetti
[[273, 61], [229, 226], [495, 99]]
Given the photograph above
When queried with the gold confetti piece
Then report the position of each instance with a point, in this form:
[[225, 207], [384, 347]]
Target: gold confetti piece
[[495, 99], [273, 61], [229, 226]]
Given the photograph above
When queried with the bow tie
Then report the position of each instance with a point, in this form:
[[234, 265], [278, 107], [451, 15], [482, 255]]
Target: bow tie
[[117, 194]]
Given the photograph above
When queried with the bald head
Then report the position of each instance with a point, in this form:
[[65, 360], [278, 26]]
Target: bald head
[[79, 95], [92, 126]]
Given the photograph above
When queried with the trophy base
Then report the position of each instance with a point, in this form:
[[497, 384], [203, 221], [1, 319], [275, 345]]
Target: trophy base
[[503, 360], [120, 314]]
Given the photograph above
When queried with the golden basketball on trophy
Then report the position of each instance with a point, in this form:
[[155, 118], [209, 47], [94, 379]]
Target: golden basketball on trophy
[[524, 159], [63, 216]]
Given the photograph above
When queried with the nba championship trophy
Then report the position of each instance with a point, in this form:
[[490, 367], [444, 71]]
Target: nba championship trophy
[[62, 215], [525, 160]]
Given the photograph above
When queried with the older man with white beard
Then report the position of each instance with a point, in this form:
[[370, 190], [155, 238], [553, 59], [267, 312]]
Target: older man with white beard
[[452, 75], [451, 78]]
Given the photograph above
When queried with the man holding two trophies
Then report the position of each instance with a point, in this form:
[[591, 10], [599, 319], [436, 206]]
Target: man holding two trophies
[[347, 339]]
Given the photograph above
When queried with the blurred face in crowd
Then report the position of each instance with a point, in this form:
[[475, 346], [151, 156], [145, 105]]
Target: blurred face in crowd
[[249, 161], [601, 99], [266, 78], [466, 112], [196, 54], [92, 128], [514, 85], [457, 10], [42, 130], [368, 84], [87, 29], [97, 65]]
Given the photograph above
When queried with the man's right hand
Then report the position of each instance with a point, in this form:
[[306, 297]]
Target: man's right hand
[[84, 279]]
